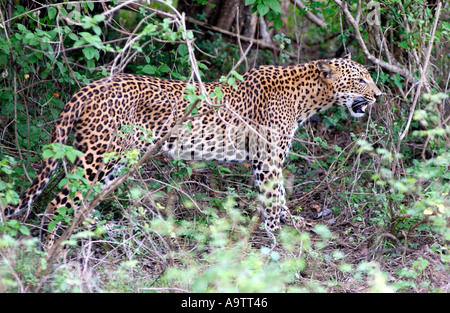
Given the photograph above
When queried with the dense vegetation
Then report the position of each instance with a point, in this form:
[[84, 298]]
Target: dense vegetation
[[184, 226]]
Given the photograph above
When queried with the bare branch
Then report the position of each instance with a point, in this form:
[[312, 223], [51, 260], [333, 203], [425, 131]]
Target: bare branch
[[424, 77], [310, 16], [385, 65], [259, 42]]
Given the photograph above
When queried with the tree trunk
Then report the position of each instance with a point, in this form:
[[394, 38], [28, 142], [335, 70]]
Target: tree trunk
[[227, 16]]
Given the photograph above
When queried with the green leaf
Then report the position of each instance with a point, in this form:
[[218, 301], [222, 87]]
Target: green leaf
[[22, 28], [189, 170], [3, 185], [262, 9], [164, 68], [149, 69], [202, 66], [224, 170], [274, 5], [237, 75], [24, 230], [97, 30], [79, 43], [51, 12], [31, 39], [265, 250], [278, 23], [51, 225], [12, 197], [99, 18], [62, 211], [248, 2], [63, 11], [73, 36], [323, 231], [403, 44], [13, 224], [89, 52], [90, 6], [191, 98], [59, 154], [63, 182], [149, 29], [47, 153], [182, 50], [218, 93], [90, 64], [275, 256], [72, 154]]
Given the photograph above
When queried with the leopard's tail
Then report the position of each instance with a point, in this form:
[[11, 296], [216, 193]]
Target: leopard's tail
[[63, 126]]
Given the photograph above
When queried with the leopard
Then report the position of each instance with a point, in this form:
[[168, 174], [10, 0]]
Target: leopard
[[253, 120]]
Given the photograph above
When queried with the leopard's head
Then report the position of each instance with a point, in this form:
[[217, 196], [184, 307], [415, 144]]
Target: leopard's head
[[351, 84]]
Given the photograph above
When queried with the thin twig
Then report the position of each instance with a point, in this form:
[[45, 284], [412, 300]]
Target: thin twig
[[424, 77]]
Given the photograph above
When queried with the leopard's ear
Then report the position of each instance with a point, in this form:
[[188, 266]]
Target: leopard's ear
[[348, 56], [326, 70]]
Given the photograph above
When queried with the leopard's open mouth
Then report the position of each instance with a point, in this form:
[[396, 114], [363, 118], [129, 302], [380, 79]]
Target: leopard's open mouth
[[359, 105]]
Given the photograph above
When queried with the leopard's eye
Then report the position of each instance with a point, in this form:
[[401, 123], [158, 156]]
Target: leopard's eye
[[362, 81]]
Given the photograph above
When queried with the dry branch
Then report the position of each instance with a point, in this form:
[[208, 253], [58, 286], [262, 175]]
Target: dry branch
[[259, 42], [424, 71], [310, 16], [354, 22]]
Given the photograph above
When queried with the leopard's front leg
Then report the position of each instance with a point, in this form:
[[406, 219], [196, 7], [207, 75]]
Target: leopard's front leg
[[269, 180]]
